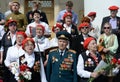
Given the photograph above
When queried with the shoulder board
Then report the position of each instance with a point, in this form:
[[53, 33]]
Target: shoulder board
[[73, 51], [53, 50]]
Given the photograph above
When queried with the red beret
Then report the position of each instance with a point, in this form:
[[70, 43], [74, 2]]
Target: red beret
[[84, 24], [91, 14], [57, 25], [67, 14], [10, 21], [41, 26], [22, 33], [26, 40], [87, 41], [113, 7]]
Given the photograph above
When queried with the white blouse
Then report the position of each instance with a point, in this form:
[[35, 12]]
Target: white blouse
[[42, 42], [33, 24], [80, 67], [13, 55]]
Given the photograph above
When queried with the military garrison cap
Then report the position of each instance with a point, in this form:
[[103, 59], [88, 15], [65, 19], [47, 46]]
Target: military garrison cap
[[63, 35]]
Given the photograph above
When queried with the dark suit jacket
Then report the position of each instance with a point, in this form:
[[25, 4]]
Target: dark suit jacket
[[74, 34], [79, 44], [6, 42], [107, 19]]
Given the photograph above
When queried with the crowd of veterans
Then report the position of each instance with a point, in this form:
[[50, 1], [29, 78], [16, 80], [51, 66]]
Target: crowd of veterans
[[71, 55]]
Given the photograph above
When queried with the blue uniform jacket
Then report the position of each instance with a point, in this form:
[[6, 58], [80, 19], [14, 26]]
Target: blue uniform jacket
[[61, 69]]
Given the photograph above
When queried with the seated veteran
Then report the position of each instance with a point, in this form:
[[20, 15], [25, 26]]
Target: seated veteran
[[87, 62], [61, 64]]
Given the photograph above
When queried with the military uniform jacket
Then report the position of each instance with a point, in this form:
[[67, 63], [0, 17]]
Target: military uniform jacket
[[20, 18], [61, 69]]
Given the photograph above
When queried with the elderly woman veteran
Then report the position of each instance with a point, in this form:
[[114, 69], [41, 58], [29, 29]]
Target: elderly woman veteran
[[13, 54], [108, 40], [32, 60], [88, 61]]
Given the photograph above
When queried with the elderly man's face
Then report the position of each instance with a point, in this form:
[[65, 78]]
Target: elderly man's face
[[113, 13], [62, 44]]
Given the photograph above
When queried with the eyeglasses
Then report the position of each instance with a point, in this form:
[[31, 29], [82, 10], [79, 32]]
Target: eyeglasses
[[84, 27], [106, 27], [29, 45], [56, 29], [12, 24]]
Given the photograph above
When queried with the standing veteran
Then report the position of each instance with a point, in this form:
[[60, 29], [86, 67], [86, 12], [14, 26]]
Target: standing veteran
[[17, 16], [61, 66]]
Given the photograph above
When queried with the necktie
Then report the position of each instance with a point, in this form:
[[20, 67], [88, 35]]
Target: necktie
[[61, 54]]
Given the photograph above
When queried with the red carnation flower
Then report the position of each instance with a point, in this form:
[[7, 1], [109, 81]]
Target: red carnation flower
[[114, 60], [23, 67], [118, 61]]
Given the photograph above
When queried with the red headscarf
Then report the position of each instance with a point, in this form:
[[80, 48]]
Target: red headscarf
[[41, 26], [57, 25], [87, 41], [26, 40], [22, 33], [84, 24]]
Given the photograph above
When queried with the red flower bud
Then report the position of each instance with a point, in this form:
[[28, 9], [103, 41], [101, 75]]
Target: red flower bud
[[114, 60], [118, 61], [23, 67]]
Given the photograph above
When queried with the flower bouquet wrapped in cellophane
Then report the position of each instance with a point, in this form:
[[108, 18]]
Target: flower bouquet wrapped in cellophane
[[106, 67]]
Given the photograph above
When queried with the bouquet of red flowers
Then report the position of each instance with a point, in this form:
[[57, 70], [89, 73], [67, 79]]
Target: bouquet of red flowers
[[106, 68], [25, 73]]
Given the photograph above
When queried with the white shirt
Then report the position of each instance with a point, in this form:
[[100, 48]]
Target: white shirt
[[43, 44], [2, 31], [30, 59], [54, 42], [7, 13], [80, 67], [13, 55], [33, 24], [68, 28]]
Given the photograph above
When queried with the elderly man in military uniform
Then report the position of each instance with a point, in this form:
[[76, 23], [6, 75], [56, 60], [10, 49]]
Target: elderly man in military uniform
[[61, 66], [17, 16]]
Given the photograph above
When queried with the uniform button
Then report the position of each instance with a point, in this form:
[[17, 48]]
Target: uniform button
[[59, 71], [59, 76]]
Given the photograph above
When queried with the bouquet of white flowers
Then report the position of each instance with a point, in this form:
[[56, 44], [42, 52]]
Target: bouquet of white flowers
[[14, 67]]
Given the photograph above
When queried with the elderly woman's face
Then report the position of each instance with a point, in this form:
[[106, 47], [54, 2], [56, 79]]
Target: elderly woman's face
[[29, 47], [68, 20], [39, 31], [19, 39], [107, 29], [57, 29], [85, 30], [92, 45], [12, 26]]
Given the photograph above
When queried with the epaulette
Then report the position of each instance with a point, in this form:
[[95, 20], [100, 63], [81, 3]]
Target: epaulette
[[53, 50], [73, 51]]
